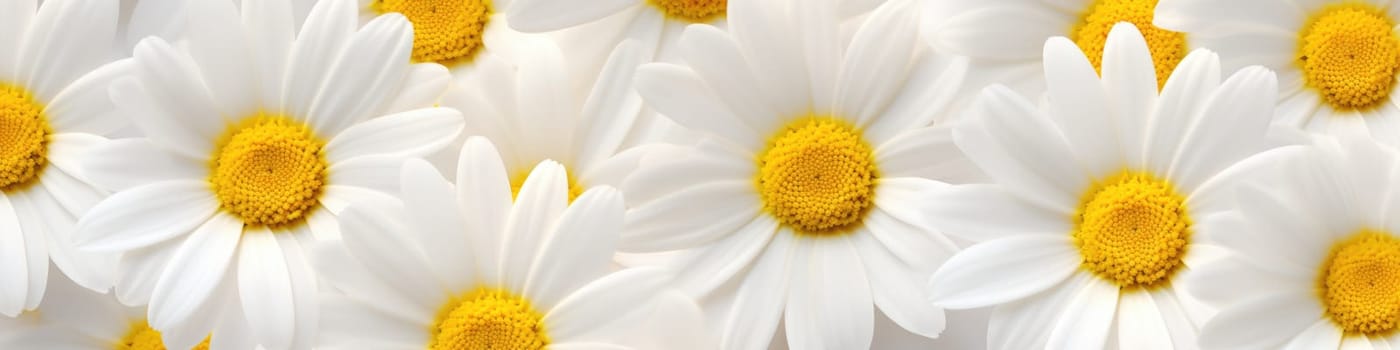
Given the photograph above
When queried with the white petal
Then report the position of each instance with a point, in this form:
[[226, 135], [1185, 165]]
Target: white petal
[[270, 44], [1019, 147], [44, 218], [85, 105], [1222, 282], [716, 209], [373, 63], [1266, 320], [126, 163], [484, 196], [195, 272], [894, 287], [171, 105], [328, 27], [927, 153], [594, 306], [718, 60], [15, 17], [1011, 31], [1140, 324], [1079, 105], [986, 212], [541, 201], [1003, 270], [541, 76], [377, 172], [678, 167], [1088, 318], [374, 234], [587, 346], [1211, 16], [223, 55], [720, 262], [352, 276], [1323, 334], [433, 212], [1027, 323], [829, 306], [140, 269], [611, 110], [146, 215], [678, 93], [1189, 87], [877, 61], [265, 289], [1130, 79], [14, 264], [533, 16], [65, 40], [349, 322], [73, 194], [916, 245], [817, 23], [580, 248], [761, 297], [1244, 102], [931, 87], [413, 133], [426, 82], [69, 151], [767, 34]]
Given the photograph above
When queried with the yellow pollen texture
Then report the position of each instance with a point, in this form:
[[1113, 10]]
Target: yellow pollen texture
[[488, 318], [817, 176], [1091, 32], [269, 170], [24, 134], [1132, 229], [444, 31], [142, 337], [518, 180], [1360, 283], [1349, 54], [694, 11]]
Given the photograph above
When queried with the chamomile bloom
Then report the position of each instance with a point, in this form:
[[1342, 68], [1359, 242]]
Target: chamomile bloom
[[467, 267], [1092, 215], [531, 112], [1003, 38], [53, 107], [256, 137], [81, 319], [807, 194], [1337, 60], [1312, 255], [656, 25], [459, 34]]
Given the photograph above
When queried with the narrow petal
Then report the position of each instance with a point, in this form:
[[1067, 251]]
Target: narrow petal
[[534, 16], [580, 248], [415, 133], [14, 264], [1011, 31], [374, 62], [1020, 148], [761, 297], [1088, 318], [126, 163], [146, 215], [433, 212], [719, 61], [1244, 103], [1027, 323], [1140, 323], [983, 213], [265, 289], [877, 62], [1267, 320], [894, 287], [485, 202], [65, 40], [85, 106], [327, 29], [679, 93], [831, 306], [721, 261], [425, 84], [1080, 105], [223, 54], [1003, 270], [391, 257], [1323, 334], [611, 110], [1130, 79], [603, 301], [171, 104], [537, 209], [666, 224], [195, 272]]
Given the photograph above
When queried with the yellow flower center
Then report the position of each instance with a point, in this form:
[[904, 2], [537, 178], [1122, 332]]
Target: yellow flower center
[[24, 138], [1350, 54], [446, 32], [269, 170], [1360, 283], [518, 180], [1167, 47], [488, 318], [1132, 229], [142, 337], [817, 176], [694, 11]]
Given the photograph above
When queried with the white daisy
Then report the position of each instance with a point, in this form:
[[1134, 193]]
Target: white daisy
[[530, 111], [470, 268], [53, 107], [1311, 256], [80, 319], [256, 139], [656, 25], [1091, 217], [1337, 60], [825, 225], [459, 34], [1003, 38]]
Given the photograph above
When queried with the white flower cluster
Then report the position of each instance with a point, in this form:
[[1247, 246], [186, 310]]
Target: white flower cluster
[[699, 174]]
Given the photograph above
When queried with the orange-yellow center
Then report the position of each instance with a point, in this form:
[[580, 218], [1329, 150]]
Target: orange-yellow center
[[1360, 283], [269, 170], [1132, 229], [1091, 32], [488, 318], [693, 11], [24, 137], [444, 31], [1350, 54], [817, 176]]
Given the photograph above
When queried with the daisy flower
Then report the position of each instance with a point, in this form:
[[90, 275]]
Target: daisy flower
[[656, 25], [1336, 60], [81, 319], [807, 195], [1091, 217], [1311, 255], [530, 111], [53, 107], [459, 34], [1003, 38], [255, 139], [467, 267]]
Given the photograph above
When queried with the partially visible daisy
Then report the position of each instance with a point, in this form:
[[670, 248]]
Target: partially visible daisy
[[84, 320], [656, 25], [1337, 60], [530, 110], [807, 196], [459, 34], [54, 75], [1003, 38], [256, 139], [1313, 254], [1092, 217], [470, 268]]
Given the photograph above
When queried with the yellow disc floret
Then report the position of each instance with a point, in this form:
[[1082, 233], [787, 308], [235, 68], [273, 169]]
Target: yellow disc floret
[[142, 337], [1167, 47], [1360, 283], [817, 176], [1132, 229], [269, 170], [693, 11], [488, 318], [518, 180], [444, 31], [1350, 54], [24, 135]]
